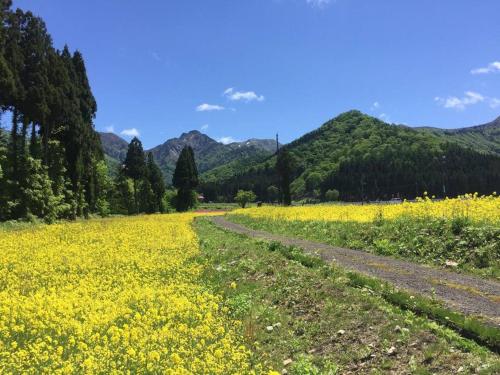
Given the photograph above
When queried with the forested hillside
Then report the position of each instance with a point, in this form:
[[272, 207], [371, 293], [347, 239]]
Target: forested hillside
[[365, 158], [50, 161], [484, 138]]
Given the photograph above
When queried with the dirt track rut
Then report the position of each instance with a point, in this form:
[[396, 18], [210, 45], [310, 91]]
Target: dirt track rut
[[467, 294]]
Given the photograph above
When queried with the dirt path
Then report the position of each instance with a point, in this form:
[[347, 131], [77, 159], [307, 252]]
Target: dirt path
[[467, 294]]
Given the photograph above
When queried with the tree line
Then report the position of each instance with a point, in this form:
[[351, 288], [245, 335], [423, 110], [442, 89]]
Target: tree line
[[355, 157], [51, 160]]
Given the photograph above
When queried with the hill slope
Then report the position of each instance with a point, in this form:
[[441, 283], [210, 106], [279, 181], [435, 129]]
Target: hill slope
[[483, 138], [114, 146], [365, 158]]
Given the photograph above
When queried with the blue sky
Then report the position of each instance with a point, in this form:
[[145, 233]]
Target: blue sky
[[238, 69]]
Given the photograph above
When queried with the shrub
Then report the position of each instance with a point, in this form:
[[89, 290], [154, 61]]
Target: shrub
[[244, 196], [332, 195]]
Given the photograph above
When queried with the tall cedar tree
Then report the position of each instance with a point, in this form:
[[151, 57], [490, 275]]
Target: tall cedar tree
[[135, 166], [284, 167], [185, 179], [157, 182], [52, 106]]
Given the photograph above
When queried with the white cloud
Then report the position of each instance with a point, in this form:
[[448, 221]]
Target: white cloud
[[375, 106], [318, 3], [494, 102], [454, 102], [204, 127], [226, 140], [494, 67], [133, 132], [209, 107], [110, 129], [247, 96]]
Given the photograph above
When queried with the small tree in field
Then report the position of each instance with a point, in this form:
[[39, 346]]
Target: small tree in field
[[332, 195], [243, 197]]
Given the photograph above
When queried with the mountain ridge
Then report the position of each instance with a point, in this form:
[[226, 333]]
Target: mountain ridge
[[365, 157], [218, 161], [209, 153]]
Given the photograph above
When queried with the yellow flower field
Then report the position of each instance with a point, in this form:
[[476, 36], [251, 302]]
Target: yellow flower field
[[477, 208], [112, 296]]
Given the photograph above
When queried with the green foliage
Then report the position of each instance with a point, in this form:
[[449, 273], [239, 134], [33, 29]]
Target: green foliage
[[243, 197], [272, 193], [285, 164], [332, 195], [103, 207], [168, 200], [157, 183], [484, 333], [38, 196], [147, 198], [50, 169], [365, 158], [304, 366], [185, 179], [313, 181], [134, 164], [483, 138], [474, 246], [307, 306]]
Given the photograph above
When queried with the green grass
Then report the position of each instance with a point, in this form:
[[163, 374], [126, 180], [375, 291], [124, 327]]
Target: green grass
[[217, 206], [17, 225], [321, 319], [474, 246]]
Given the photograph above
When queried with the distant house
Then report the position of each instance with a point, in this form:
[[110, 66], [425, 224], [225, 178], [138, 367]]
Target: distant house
[[201, 198]]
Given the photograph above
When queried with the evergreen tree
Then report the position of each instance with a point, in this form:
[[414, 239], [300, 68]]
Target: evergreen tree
[[284, 167], [135, 166], [157, 183], [4, 197], [147, 199], [185, 179], [52, 108]]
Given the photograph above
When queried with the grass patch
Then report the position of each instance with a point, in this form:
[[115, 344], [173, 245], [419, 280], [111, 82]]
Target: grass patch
[[474, 246], [313, 316], [483, 333]]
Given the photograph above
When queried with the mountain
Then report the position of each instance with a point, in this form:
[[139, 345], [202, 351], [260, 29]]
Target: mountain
[[483, 138], [210, 155], [114, 146], [365, 158]]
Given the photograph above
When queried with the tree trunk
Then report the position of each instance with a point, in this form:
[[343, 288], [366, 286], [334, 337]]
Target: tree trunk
[[14, 142], [135, 197], [33, 148]]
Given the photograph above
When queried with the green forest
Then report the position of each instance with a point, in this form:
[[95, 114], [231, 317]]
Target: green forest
[[51, 160], [364, 158]]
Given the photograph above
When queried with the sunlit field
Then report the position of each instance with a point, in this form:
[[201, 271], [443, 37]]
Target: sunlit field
[[109, 296], [472, 206], [464, 231]]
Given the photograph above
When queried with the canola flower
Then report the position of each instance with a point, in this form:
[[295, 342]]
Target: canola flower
[[112, 296], [472, 206]]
